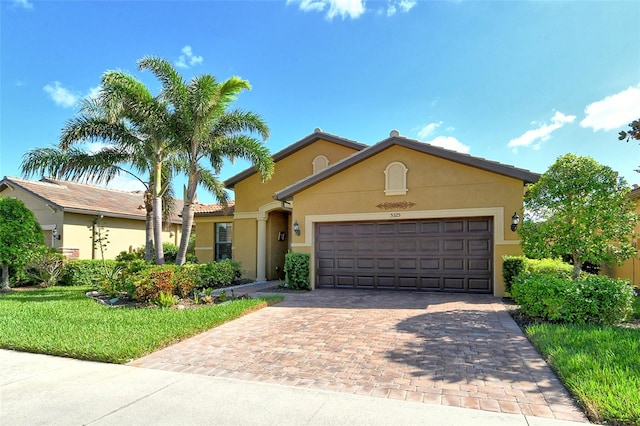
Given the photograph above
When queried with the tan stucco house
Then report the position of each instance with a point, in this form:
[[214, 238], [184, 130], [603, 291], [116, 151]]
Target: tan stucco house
[[400, 214], [72, 214]]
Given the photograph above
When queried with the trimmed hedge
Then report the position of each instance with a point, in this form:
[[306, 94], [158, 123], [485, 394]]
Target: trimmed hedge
[[296, 271], [512, 266], [85, 272], [594, 299]]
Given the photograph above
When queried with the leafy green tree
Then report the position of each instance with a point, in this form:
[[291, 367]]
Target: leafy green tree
[[579, 207], [205, 131], [20, 236], [134, 125]]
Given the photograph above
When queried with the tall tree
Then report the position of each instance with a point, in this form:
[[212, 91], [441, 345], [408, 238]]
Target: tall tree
[[579, 207], [134, 124], [205, 131], [20, 236]]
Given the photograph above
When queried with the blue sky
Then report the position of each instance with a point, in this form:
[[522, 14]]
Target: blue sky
[[518, 82]]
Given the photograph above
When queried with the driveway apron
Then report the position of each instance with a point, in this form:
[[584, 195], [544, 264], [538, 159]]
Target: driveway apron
[[451, 349]]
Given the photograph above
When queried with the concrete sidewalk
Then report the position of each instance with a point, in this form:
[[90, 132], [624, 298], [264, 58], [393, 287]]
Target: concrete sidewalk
[[41, 389]]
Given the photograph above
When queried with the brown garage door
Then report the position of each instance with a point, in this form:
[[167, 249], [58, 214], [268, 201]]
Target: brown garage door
[[435, 255]]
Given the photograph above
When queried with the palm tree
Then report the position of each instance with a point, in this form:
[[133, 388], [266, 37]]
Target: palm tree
[[126, 115], [203, 129]]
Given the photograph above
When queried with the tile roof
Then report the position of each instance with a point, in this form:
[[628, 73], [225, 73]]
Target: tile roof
[[86, 199], [216, 209], [525, 175]]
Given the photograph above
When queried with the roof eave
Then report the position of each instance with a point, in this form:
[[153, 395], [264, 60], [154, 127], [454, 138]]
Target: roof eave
[[232, 181]]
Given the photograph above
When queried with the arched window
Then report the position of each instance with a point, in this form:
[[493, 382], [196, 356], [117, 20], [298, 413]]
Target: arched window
[[395, 179], [320, 163]]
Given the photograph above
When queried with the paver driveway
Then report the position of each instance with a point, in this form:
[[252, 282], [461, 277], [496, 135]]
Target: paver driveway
[[452, 349]]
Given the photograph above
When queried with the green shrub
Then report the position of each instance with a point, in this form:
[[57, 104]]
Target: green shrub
[[512, 266], [126, 256], [85, 272], [165, 300], [548, 266], [150, 282], [594, 299], [170, 252], [296, 271], [217, 274]]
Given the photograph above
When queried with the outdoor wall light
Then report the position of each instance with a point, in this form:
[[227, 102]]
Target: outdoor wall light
[[54, 233], [515, 221], [296, 228]]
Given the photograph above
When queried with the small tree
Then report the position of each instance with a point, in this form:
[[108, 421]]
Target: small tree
[[20, 236], [579, 207]]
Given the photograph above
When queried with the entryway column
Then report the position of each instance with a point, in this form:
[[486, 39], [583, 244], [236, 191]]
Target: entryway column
[[261, 266]]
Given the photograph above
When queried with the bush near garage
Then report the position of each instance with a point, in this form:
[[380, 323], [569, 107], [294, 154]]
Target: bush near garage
[[296, 271], [591, 299], [512, 266]]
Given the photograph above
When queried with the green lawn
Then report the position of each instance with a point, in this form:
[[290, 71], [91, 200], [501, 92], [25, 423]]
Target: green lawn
[[63, 321], [600, 365]]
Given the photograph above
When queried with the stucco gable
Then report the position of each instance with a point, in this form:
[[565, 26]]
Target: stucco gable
[[292, 149], [480, 163]]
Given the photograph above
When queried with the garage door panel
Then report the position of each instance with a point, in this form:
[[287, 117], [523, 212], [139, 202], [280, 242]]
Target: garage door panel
[[326, 263], [453, 226], [345, 281], [430, 245], [426, 254], [454, 264], [345, 263], [429, 264], [386, 264], [453, 245], [479, 265], [388, 282], [408, 282], [479, 225], [410, 264], [453, 283], [479, 285], [430, 283]]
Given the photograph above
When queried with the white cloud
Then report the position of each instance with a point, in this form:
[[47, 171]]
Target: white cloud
[[61, 96], [23, 3], [94, 147], [613, 112], [188, 59], [449, 142], [407, 5], [124, 183], [94, 92], [427, 130], [344, 8], [542, 133]]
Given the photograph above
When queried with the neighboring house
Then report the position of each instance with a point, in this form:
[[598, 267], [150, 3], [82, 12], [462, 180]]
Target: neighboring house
[[630, 269], [400, 214], [74, 215]]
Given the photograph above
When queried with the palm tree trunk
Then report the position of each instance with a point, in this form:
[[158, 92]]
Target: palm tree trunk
[[157, 213], [187, 216], [148, 235], [187, 223], [157, 229]]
